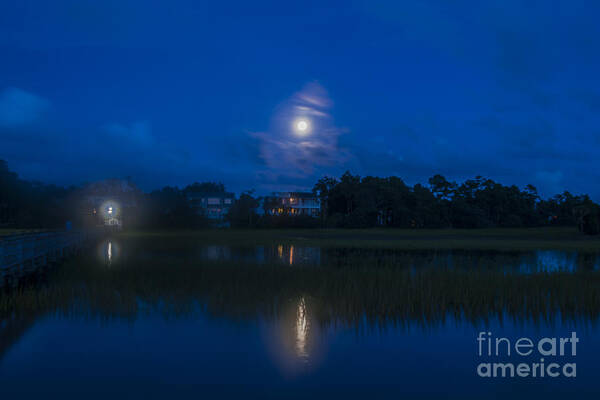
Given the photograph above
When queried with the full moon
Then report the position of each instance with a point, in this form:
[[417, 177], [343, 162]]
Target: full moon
[[302, 126]]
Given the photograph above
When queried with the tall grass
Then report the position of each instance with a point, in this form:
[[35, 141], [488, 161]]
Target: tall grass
[[386, 292]]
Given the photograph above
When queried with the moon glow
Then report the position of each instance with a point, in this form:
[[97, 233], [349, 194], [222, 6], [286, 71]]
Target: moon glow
[[301, 126]]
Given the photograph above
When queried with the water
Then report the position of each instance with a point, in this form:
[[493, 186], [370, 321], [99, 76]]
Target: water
[[297, 255], [294, 321]]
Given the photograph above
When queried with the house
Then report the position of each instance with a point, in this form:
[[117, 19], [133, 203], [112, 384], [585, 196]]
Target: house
[[293, 204], [214, 206], [110, 201]]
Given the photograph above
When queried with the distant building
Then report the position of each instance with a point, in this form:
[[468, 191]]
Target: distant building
[[293, 204], [109, 202], [214, 206]]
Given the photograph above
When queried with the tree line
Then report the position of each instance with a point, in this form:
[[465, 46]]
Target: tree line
[[355, 202], [352, 201], [349, 201], [25, 204]]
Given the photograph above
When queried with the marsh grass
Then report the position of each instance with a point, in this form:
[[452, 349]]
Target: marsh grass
[[388, 292]]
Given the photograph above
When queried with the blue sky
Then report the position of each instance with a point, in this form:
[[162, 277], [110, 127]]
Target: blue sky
[[182, 91]]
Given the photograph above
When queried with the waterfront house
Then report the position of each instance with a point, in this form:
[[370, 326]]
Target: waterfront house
[[293, 204], [214, 206], [110, 202]]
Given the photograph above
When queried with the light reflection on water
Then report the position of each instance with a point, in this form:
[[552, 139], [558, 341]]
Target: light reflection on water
[[525, 262], [560, 261], [302, 339], [285, 254], [302, 330], [108, 251], [295, 341], [388, 361]]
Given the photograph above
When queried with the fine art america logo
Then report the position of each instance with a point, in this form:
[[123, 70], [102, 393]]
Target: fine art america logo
[[550, 357]]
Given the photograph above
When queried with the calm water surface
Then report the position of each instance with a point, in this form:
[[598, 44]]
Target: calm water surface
[[295, 321]]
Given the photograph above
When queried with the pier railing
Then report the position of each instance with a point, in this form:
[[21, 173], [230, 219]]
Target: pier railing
[[21, 254]]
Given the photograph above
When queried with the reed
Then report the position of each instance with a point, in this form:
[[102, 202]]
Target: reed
[[391, 291]]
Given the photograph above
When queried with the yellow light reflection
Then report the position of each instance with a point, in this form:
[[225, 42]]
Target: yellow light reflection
[[302, 327], [109, 252], [295, 339]]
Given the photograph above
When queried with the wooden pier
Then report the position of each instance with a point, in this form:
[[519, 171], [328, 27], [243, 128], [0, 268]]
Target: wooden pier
[[24, 254]]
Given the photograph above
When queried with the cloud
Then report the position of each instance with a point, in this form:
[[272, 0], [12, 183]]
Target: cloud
[[286, 153], [19, 108], [138, 132]]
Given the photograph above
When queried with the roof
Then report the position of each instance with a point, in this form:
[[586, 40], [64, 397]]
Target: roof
[[214, 194], [301, 195]]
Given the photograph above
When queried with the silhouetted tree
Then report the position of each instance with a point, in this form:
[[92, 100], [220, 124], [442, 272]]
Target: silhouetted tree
[[242, 213], [169, 208], [26, 204], [350, 201], [353, 201], [205, 187]]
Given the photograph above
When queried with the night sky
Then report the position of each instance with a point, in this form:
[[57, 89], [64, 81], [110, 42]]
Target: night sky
[[181, 91]]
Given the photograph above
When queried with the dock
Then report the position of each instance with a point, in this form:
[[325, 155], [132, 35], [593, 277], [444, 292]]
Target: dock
[[26, 253]]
